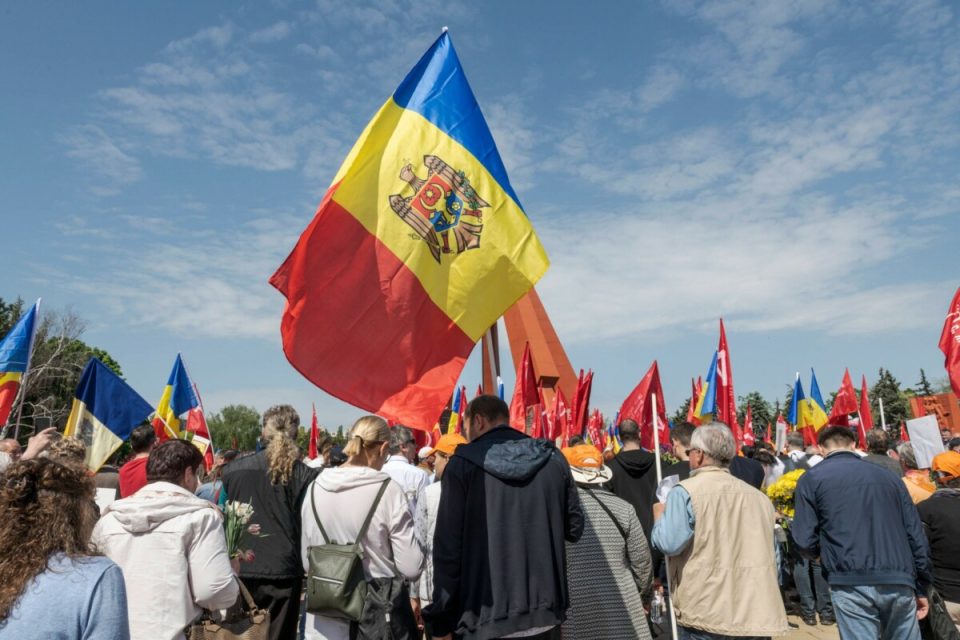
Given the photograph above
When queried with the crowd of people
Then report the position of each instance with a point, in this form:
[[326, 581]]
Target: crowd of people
[[487, 534]]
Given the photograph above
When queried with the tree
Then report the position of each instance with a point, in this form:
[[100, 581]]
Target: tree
[[235, 423], [788, 401], [681, 414], [895, 405], [923, 387], [59, 356], [942, 385], [760, 410]]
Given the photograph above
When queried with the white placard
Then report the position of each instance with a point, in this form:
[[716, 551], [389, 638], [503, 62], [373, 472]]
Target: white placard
[[925, 437], [105, 497], [781, 437]]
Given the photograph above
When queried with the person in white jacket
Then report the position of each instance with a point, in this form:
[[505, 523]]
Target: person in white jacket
[[343, 497], [170, 545]]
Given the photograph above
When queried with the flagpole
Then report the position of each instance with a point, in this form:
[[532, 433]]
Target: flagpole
[[883, 417], [22, 391], [666, 559]]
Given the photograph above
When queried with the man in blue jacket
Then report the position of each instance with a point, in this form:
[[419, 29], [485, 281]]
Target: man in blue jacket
[[858, 519], [507, 507]]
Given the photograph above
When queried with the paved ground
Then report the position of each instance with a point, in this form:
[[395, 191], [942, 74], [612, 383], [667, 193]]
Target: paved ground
[[807, 633]]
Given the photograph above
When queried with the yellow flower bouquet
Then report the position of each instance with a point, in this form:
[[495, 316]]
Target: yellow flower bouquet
[[781, 492]]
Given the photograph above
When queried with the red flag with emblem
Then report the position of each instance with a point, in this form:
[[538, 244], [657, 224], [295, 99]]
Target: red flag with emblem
[[950, 343], [525, 392], [726, 399], [845, 403], [638, 407], [312, 452]]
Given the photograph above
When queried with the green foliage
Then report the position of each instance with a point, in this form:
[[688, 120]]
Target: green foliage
[[340, 439], [760, 409], [895, 405], [924, 388], [236, 425], [680, 416], [59, 356], [788, 401]]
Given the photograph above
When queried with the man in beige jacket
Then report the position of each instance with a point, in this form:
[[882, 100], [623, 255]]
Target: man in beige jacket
[[718, 533], [170, 545]]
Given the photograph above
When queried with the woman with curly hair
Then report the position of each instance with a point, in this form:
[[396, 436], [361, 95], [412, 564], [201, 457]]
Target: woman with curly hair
[[51, 586], [273, 481]]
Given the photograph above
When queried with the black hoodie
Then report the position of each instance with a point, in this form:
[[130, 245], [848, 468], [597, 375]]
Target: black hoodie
[[635, 480], [508, 504]]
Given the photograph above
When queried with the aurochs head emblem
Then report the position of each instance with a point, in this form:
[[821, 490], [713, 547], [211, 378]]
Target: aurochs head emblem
[[444, 209]]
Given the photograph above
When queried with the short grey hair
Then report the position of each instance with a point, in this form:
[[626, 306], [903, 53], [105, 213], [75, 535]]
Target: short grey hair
[[716, 441], [907, 457], [399, 436]]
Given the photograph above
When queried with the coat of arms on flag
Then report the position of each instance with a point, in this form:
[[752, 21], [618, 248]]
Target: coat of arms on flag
[[443, 204]]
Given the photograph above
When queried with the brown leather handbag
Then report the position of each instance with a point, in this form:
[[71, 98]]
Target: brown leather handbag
[[244, 621]]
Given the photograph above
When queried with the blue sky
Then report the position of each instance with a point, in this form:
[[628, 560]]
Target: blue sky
[[792, 166]]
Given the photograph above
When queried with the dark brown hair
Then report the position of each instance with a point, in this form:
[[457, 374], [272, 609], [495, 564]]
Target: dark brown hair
[[46, 507], [490, 407], [168, 461]]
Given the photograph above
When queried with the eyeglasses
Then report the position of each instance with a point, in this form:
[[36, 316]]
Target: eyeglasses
[[693, 449]]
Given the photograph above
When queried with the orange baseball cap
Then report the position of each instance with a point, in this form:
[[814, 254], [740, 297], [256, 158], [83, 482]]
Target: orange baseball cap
[[586, 464], [448, 444], [585, 456], [947, 462]]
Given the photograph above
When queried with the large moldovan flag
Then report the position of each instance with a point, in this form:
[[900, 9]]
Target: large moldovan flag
[[105, 411], [15, 349], [418, 246]]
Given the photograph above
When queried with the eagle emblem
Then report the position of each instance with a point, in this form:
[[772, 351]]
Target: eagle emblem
[[444, 210]]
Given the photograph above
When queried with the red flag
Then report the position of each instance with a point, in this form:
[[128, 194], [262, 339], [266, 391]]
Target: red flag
[[525, 392], [904, 436], [866, 418], [726, 399], [595, 429], [695, 387], [769, 429], [560, 423], [580, 408], [197, 424], [637, 407], [749, 438], [845, 403], [479, 390], [950, 343], [312, 452]]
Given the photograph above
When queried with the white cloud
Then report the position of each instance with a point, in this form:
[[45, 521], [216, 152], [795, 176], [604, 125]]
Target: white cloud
[[274, 33], [101, 155]]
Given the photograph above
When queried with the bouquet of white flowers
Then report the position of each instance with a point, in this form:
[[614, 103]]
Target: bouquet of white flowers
[[236, 520]]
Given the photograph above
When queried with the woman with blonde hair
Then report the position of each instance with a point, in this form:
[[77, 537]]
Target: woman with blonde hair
[[335, 509], [51, 584], [273, 480]]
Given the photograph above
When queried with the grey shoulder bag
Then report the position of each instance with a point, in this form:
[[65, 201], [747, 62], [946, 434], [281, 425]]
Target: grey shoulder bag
[[336, 585]]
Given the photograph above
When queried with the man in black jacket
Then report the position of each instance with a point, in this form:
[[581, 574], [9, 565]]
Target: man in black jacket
[[507, 506], [859, 520], [635, 475]]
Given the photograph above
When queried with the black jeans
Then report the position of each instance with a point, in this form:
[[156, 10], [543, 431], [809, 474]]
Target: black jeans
[[282, 598]]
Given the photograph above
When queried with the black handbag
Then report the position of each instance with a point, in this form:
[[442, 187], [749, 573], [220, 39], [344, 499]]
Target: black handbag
[[938, 625]]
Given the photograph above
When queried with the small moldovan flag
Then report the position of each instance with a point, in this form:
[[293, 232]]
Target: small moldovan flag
[[105, 411], [180, 413], [15, 350], [418, 246]]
